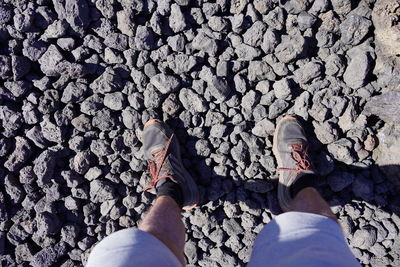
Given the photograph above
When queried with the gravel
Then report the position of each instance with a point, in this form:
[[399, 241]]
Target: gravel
[[79, 79]]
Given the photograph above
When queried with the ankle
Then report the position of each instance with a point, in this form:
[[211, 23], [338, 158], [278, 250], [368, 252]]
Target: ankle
[[167, 187], [166, 199], [310, 201]]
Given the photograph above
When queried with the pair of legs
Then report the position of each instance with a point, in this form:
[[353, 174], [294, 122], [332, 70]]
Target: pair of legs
[[164, 218], [309, 233]]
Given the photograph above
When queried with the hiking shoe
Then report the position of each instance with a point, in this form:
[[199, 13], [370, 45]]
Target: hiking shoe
[[161, 150], [290, 147]]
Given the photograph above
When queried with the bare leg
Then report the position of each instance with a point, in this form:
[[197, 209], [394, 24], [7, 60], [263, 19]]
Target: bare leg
[[309, 200], [164, 222]]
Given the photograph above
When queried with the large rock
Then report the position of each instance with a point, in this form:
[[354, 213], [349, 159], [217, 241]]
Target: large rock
[[386, 17], [49, 61], [75, 12], [359, 67], [385, 106], [387, 154], [290, 48]]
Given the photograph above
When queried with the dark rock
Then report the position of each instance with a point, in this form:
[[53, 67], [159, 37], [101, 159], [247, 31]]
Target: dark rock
[[205, 43], [115, 101], [258, 186], [358, 67], [296, 6], [253, 36], [101, 191], [192, 101], [165, 83], [125, 22], [55, 30], [116, 41], [263, 128], [305, 20], [18, 88], [270, 40], [250, 99], [6, 14], [108, 81], [219, 88], [33, 49], [334, 65], [51, 132], [260, 70], [177, 20], [363, 188], [364, 238], [354, 28], [145, 39], [181, 63], [81, 162], [283, 89], [246, 52], [290, 48], [341, 150], [20, 154], [339, 180], [385, 106], [47, 224], [11, 121], [130, 118], [5, 67], [76, 12], [48, 256], [49, 61], [275, 18], [277, 108], [23, 253], [20, 67], [341, 7], [44, 167], [232, 227], [74, 92], [14, 189], [308, 72], [104, 120], [326, 132]]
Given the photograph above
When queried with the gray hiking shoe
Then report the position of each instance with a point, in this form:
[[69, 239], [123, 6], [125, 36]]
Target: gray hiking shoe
[[161, 150], [290, 148]]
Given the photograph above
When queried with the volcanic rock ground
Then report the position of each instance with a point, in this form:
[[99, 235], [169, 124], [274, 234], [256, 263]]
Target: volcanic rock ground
[[78, 79]]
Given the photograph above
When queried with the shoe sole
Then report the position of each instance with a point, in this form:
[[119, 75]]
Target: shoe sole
[[197, 198], [281, 185]]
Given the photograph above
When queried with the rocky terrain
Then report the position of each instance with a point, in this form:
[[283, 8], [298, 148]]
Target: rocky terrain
[[78, 78]]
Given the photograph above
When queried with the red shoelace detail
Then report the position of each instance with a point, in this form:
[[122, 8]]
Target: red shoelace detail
[[299, 154], [156, 165]]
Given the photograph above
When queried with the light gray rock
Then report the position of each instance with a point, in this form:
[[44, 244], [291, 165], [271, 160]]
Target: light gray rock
[[192, 101], [253, 36], [49, 61], [358, 68], [290, 48], [165, 83], [177, 20], [308, 72], [263, 128], [385, 106], [260, 70], [205, 43], [115, 101], [354, 28]]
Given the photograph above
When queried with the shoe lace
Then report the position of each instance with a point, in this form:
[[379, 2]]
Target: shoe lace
[[156, 165], [299, 154]]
